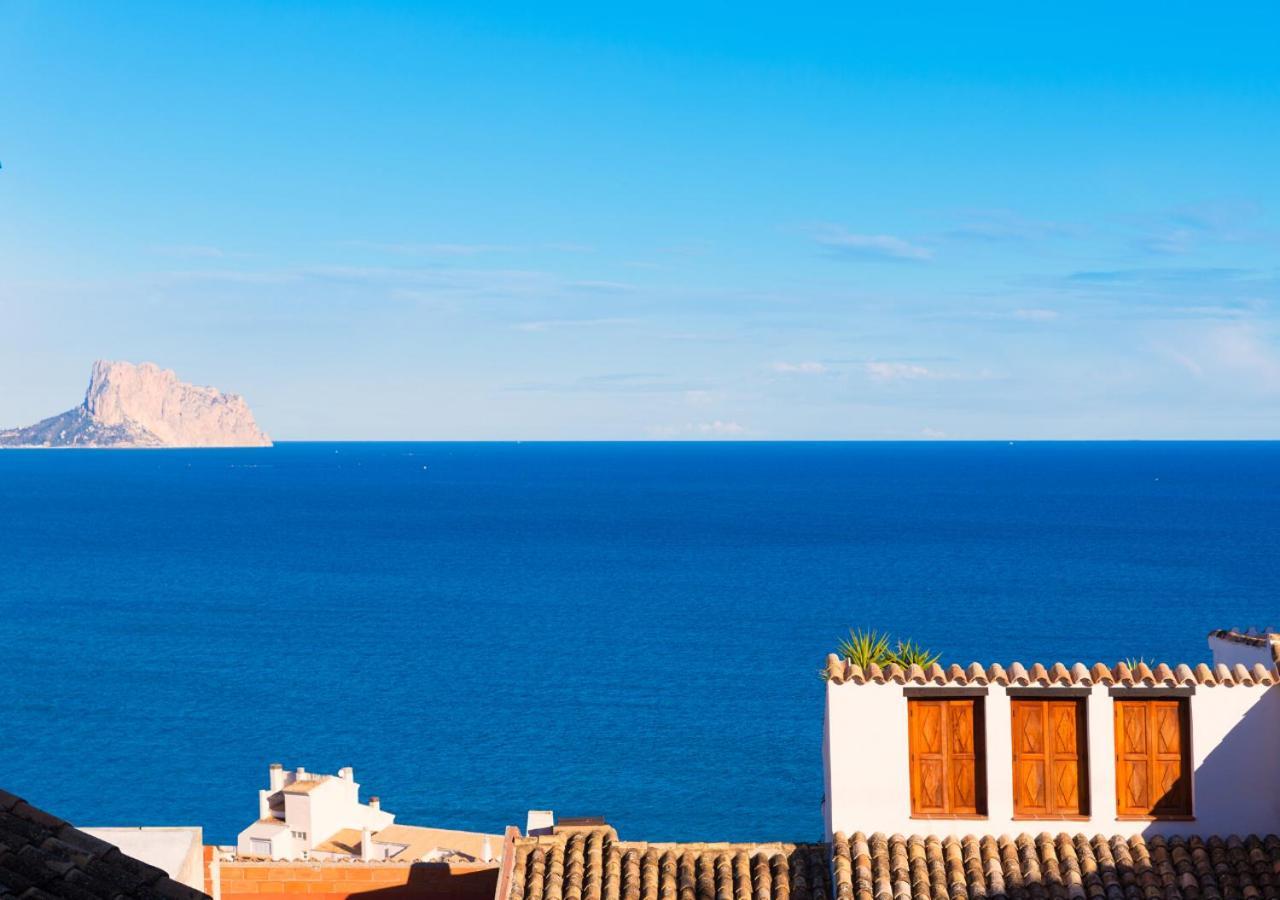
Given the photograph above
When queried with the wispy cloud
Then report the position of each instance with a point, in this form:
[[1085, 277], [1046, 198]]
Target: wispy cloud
[[1006, 226], [713, 429], [615, 383], [896, 371], [1034, 315], [871, 247], [544, 325], [1241, 354], [799, 368], [409, 248], [191, 251], [601, 287], [1187, 229]]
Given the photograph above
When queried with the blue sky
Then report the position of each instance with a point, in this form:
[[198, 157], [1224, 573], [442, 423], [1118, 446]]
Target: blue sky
[[404, 221]]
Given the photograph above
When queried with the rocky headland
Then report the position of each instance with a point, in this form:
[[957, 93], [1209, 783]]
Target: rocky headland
[[144, 405]]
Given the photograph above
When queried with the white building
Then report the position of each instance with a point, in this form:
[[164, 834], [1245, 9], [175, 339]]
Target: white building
[[1142, 751], [302, 815]]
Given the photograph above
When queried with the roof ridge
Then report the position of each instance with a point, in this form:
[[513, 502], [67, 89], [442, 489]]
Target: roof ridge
[[842, 671]]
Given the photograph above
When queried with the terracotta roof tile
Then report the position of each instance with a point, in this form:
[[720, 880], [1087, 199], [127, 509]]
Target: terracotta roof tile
[[1055, 867], [595, 865], [840, 671], [43, 856]]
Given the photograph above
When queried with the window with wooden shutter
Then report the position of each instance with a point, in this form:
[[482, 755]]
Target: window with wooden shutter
[[1153, 758], [948, 765], [1050, 759]]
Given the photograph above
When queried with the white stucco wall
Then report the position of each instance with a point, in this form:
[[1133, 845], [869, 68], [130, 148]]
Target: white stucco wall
[[331, 804], [1235, 745], [178, 851], [1235, 652]]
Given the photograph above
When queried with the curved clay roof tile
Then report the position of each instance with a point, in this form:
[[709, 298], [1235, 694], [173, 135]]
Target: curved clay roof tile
[[1143, 673], [835, 668], [1039, 674], [956, 674], [1058, 674], [1241, 675], [1102, 674], [915, 674], [1017, 674], [936, 674], [1222, 675], [1204, 675], [1261, 674], [1123, 675], [1164, 674], [1080, 674], [875, 674], [893, 672], [1183, 674], [976, 674], [997, 675]]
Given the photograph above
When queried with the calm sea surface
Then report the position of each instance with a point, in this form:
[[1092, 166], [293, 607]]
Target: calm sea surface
[[632, 630]]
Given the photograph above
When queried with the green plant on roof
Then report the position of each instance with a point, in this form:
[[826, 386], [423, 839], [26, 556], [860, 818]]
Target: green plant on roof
[[909, 653], [865, 646], [1134, 661]]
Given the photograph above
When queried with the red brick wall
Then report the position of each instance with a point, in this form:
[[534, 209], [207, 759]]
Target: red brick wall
[[366, 881]]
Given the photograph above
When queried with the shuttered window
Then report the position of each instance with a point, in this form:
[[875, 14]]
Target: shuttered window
[[1050, 759], [948, 763], [1153, 771]]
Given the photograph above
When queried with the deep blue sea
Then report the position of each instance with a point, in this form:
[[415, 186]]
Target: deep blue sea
[[630, 630]]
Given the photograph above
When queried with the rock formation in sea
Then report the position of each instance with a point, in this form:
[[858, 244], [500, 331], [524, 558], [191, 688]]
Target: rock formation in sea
[[144, 405]]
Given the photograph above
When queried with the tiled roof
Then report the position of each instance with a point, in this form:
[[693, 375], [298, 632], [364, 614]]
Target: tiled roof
[[305, 786], [595, 865], [1061, 867], [1253, 639], [42, 856], [840, 671]]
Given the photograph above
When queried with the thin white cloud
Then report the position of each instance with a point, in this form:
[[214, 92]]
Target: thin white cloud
[[896, 371], [714, 429], [404, 248], [1035, 315], [847, 245], [191, 251], [799, 368], [1238, 354]]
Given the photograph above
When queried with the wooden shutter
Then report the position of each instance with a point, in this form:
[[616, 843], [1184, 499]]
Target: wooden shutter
[[1153, 774], [947, 764], [1049, 758]]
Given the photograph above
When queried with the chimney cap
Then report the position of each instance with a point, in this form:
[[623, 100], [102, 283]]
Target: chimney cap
[[275, 766]]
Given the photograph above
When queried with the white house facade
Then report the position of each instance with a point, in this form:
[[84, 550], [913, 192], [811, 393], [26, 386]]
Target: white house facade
[[300, 810], [1117, 750]]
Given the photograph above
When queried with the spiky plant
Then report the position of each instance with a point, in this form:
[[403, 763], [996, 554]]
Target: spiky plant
[[908, 653], [1134, 661], [865, 646]]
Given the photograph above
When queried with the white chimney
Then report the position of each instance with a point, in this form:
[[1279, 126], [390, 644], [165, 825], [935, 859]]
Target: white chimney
[[346, 773], [264, 805], [275, 776], [366, 844], [375, 804], [540, 821], [300, 774]]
